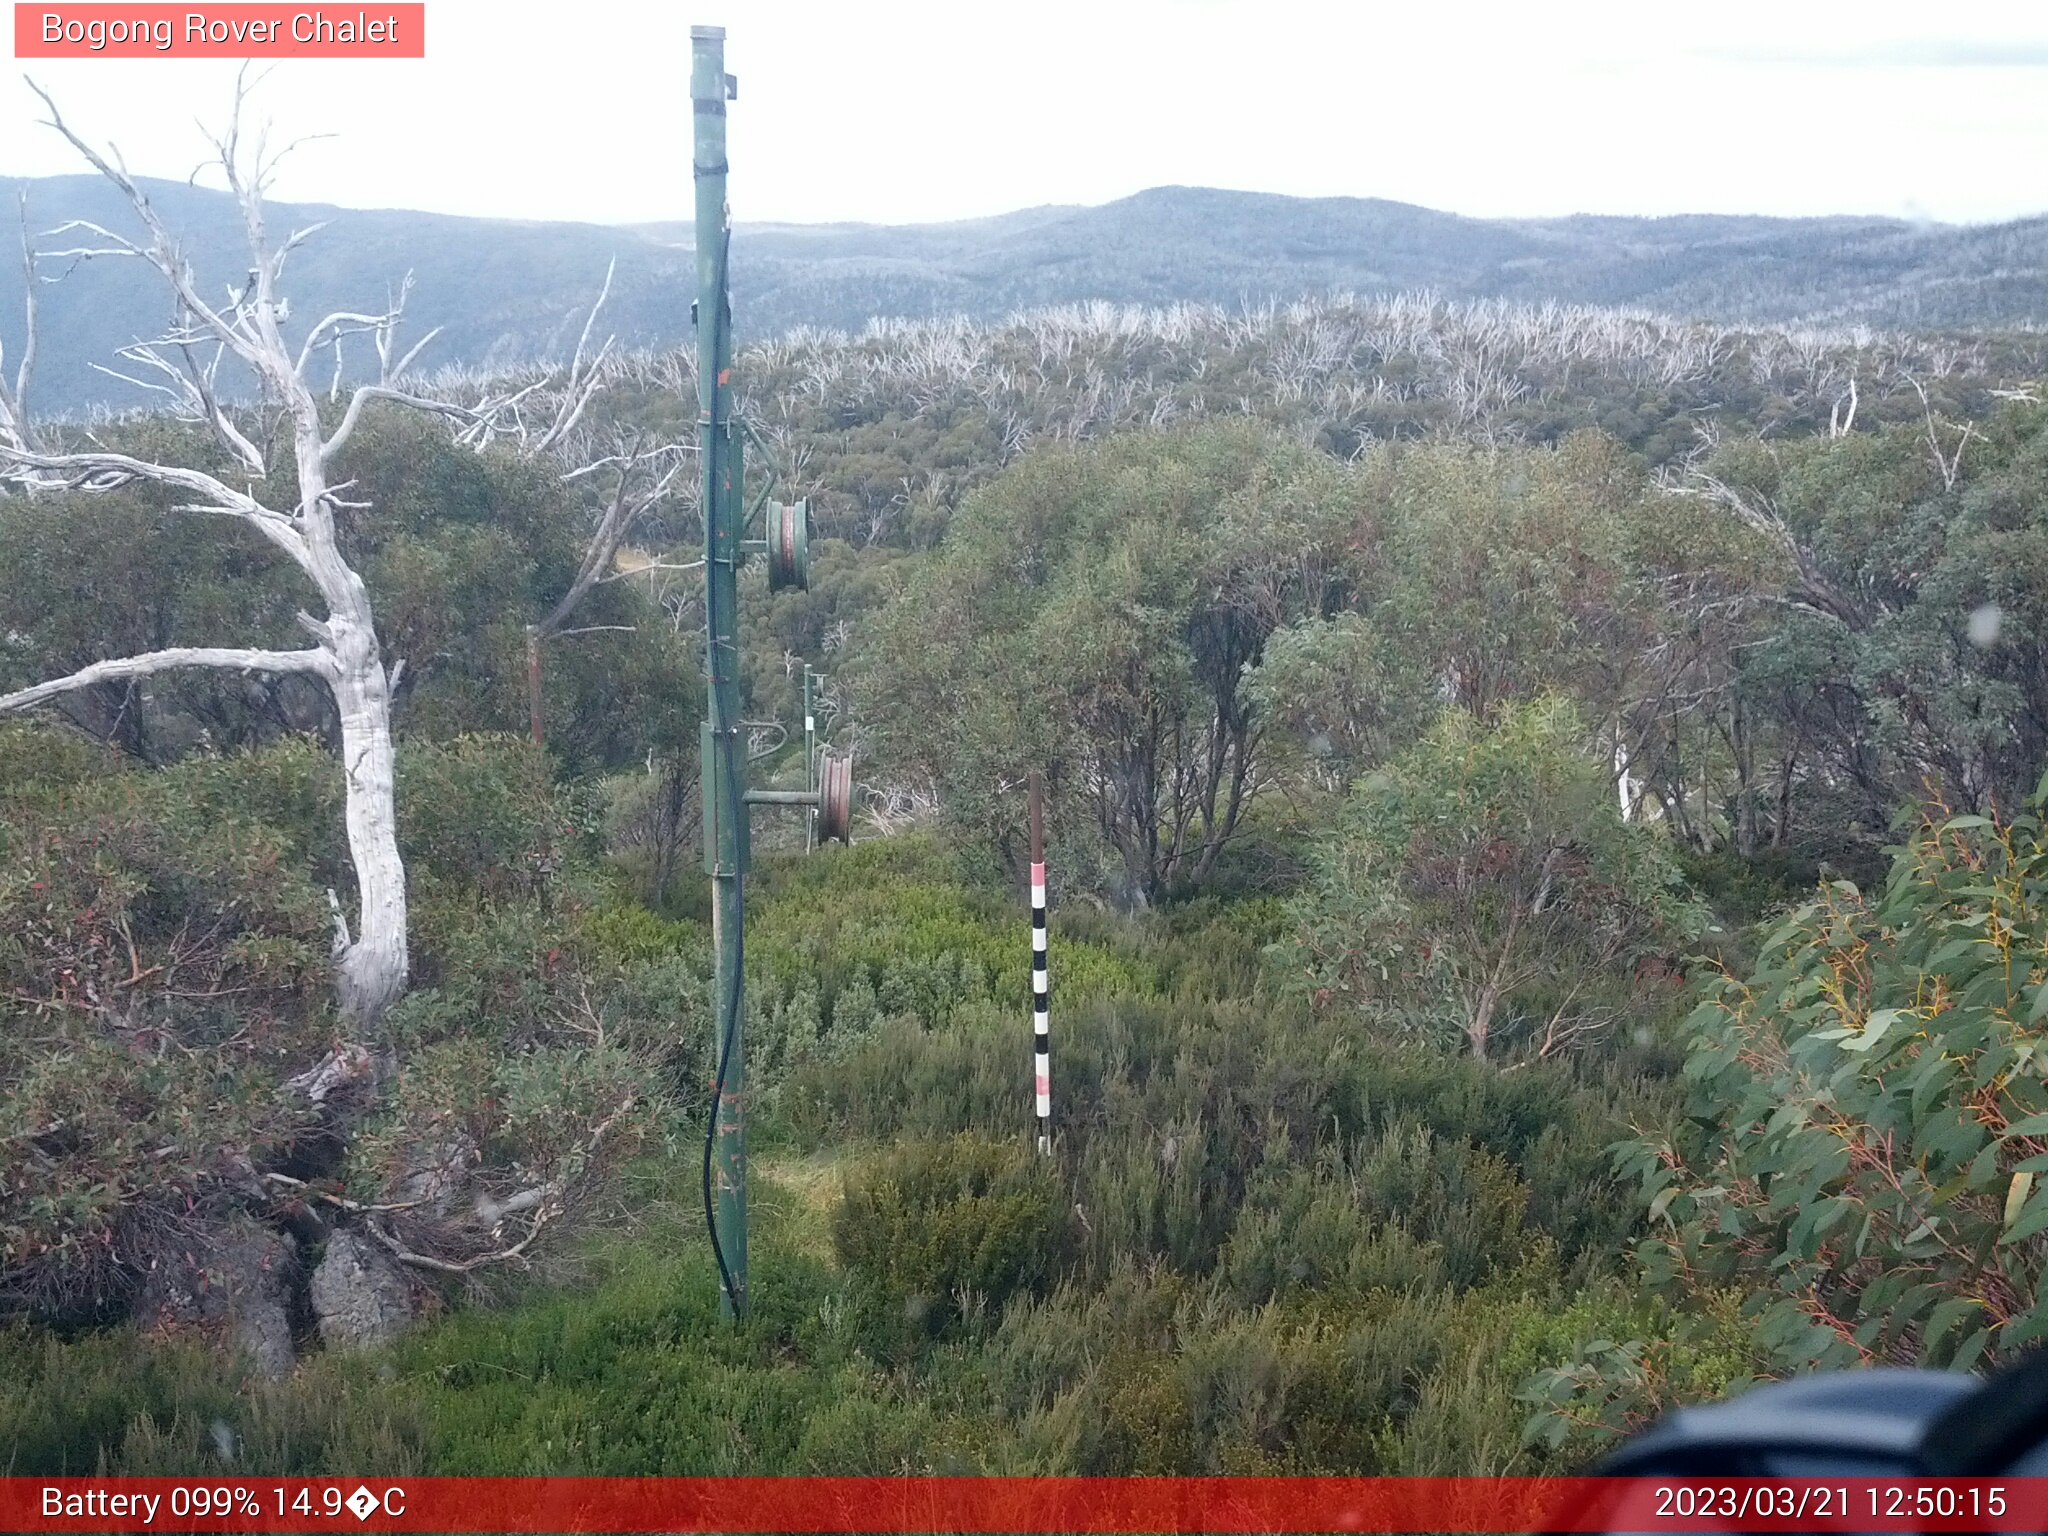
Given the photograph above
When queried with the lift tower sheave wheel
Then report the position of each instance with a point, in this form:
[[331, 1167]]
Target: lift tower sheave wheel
[[835, 797], [789, 546]]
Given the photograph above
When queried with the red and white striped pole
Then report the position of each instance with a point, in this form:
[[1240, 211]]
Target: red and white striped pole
[[1041, 1023]]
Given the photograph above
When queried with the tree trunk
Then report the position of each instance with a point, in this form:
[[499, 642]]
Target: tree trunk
[[668, 824], [1705, 825], [372, 968], [1745, 775], [1781, 824], [1479, 1026]]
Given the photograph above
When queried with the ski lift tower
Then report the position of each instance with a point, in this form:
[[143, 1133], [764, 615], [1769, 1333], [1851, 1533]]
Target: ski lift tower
[[785, 541]]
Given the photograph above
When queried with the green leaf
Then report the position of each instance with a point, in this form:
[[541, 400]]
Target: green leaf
[[1944, 958], [1945, 1317], [1972, 1348], [1874, 1029], [1983, 1167], [2024, 1330], [1929, 1080]]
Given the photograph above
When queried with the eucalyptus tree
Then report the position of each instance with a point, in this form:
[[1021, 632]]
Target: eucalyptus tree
[[1096, 611], [1484, 878], [1899, 655]]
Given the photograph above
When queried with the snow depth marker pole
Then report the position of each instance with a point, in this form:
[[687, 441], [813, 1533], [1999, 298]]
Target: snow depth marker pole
[[1041, 1022]]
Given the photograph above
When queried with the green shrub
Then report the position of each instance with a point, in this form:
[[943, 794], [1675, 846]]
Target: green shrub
[[1299, 1232], [1267, 1244], [1855, 1182], [890, 915], [1870, 1118], [940, 1231], [479, 814], [625, 933], [161, 955], [1617, 1357]]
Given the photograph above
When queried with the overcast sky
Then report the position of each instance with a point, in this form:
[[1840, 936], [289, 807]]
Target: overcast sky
[[894, 110]]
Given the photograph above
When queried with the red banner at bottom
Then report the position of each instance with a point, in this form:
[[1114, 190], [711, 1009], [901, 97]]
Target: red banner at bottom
[[1022, 1504]]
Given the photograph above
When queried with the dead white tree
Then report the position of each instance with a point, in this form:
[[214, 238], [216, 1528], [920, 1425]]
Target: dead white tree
[[1840, 422], [372, 960], [642, 478], [1948, 461], [14, 415], [542, 418]]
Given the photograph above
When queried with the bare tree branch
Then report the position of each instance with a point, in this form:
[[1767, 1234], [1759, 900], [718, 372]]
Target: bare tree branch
[[236, 329], [547, 1202], [630, 501], [316, 662], [1948, 463], [1816, 591], [369, 392], [577, 392], [356, 322], [104, 470]]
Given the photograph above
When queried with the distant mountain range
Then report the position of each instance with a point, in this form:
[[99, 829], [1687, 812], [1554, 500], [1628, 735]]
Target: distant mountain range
[[509, 291]]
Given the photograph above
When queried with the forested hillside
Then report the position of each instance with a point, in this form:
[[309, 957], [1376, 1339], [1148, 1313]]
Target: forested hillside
[[1545, 820], [509, 292]]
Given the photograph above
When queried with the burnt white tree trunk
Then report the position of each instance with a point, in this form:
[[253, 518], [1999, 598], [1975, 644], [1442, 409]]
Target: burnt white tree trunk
[[372, 961], [371, 970]]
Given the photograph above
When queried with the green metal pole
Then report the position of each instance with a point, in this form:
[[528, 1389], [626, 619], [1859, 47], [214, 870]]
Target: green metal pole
[[725, 765]]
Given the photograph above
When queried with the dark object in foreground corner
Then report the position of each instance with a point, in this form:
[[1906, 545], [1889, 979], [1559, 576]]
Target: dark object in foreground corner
[[1876, 1423], [1883, 1423], [1857, 1423]]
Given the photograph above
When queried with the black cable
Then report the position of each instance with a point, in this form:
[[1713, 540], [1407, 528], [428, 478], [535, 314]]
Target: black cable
[[729, 1031], [727, 1035]]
